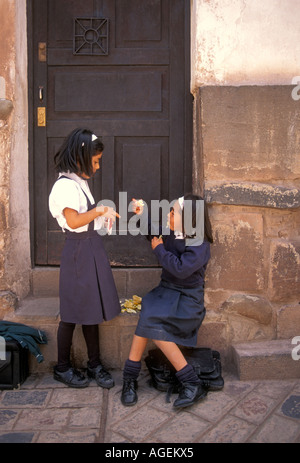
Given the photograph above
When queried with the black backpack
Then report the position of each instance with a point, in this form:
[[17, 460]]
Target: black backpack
[[206, 363]]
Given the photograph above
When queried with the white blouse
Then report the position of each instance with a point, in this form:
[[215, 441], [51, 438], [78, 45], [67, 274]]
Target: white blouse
[[66, 193]]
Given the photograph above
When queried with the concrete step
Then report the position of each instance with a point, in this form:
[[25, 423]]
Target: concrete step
[[265, 360]]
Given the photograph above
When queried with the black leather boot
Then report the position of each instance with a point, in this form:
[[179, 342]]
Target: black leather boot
[[189, 394], [129, 396], [103, 377], [131, 372], [71, 377]]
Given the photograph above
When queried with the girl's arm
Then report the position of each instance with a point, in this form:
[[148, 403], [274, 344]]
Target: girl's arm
[[76, 220], [149, 229], [184, 266]]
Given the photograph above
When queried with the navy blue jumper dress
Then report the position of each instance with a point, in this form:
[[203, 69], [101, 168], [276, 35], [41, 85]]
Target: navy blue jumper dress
[[174, 310], [87, 289]]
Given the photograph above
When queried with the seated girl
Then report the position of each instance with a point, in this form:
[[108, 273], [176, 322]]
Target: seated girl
[[172, 312]]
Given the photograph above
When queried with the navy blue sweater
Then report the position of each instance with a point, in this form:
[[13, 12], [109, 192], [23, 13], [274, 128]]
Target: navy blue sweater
[[182, 265]]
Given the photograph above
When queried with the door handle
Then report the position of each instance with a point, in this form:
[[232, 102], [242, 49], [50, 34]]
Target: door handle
[[41, 93]]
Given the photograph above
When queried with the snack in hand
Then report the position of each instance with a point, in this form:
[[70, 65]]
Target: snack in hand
[[139, 204]]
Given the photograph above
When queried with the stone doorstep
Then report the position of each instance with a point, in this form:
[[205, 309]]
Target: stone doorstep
[[265, 360], [252, 360], [41, 310], [129, 281], [43, 313]]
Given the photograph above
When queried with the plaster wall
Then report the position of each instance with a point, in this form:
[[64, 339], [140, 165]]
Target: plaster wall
[[245, 42]]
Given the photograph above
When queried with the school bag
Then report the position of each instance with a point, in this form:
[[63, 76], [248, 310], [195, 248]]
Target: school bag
[[206, 363]]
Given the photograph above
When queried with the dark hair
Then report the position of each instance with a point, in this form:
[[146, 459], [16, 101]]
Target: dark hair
[[195, 216], [75, 154]]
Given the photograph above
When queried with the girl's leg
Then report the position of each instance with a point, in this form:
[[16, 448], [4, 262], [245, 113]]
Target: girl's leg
[[64, 343], [63, 371], [172, 352], [91, 336], [133, 364], [137, 348], [131, 371], [191, 390], [95, 370]]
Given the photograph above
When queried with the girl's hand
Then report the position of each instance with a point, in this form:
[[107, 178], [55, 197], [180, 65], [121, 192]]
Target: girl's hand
[[109, 212], [156, 241], [138, 206]]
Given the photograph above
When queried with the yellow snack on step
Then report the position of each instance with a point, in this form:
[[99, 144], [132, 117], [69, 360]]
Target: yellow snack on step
[[128, 304], [132, 305]]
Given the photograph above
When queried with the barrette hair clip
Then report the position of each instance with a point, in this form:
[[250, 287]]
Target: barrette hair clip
[[94, 137]]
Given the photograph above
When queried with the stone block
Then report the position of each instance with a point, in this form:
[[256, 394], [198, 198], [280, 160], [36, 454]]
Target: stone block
[[212, 333], [6, 107], [250, 133], [45, 282], [237, 255], [3, 220], [252, 194], [120, 278], [129, 281], [256, 308], [265, 360], [284, 275], [288, 321], [48, 350], [281, 223], [241, 329], [140, 281], [8, 303], [41, 309]]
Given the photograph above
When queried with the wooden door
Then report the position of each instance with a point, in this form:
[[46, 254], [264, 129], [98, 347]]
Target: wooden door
[[120, 68]]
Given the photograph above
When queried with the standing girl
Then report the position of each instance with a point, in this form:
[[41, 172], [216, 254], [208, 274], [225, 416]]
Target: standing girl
[[172, 313], [86, 288]]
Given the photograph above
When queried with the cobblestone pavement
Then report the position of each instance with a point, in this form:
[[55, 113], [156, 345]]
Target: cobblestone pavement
[[45, 411]]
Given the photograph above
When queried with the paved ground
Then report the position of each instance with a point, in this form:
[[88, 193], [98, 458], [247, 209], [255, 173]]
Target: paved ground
[[45, 411]]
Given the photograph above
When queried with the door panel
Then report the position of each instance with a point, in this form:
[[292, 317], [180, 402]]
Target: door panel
[[117, 67]]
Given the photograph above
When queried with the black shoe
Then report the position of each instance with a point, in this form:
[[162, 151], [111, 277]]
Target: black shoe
[[103, 378], [71, 377], [189, 394], [129, 395]]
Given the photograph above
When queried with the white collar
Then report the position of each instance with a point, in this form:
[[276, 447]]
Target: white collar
[[73, 176], [81, 181]]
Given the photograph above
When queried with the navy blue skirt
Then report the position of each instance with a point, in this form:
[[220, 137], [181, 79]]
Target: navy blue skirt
[[87, 289], [172, 313]]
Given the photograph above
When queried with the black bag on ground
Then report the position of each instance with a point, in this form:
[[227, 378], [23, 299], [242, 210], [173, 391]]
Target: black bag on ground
[[14, 370], [206, 363]]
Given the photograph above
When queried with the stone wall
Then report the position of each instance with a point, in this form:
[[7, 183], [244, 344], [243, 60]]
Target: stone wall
[[248, 157], [14, 181]]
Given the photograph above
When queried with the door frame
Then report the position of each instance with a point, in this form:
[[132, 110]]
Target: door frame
[[188, 114]]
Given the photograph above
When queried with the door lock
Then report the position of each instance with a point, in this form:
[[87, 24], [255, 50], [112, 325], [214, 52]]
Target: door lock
[[41, 116]]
